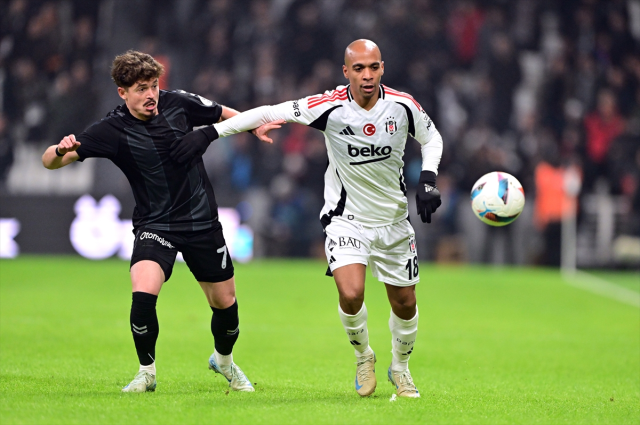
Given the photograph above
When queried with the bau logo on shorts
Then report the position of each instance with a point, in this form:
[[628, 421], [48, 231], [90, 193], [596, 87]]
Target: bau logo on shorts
[[346, 242], [159, 239]]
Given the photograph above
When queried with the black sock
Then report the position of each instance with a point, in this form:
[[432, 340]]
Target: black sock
[[224, 327], [144, 326]]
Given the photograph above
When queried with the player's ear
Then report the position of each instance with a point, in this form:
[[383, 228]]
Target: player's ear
[[122, 93], [382, 67], [344, 71]]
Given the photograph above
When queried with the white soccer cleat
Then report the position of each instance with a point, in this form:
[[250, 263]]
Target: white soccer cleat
[[143, 382], [238, 381], [404, 383], [366, 375]]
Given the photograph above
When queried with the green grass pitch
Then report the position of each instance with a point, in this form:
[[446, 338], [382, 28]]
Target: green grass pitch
[[495, 345]]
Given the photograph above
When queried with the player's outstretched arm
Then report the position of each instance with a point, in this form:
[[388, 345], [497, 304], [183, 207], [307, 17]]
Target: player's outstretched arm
[[274, 115], [262, 132], [64, 153], [227, 113], [190, 148]]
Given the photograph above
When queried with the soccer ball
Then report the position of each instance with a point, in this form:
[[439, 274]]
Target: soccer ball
[[497, 198]]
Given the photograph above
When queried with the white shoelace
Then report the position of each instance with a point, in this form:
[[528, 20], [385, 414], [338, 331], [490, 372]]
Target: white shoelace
[[364, 373], [406, 380]]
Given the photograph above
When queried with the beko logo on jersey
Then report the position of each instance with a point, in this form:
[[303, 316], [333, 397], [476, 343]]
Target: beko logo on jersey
[[379, 153], [296, 108], [162, 241]]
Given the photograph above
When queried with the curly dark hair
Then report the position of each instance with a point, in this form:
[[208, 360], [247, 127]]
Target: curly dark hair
[[133, 66]]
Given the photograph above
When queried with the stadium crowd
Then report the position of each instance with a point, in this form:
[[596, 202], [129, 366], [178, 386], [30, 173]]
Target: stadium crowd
[[530, 87]]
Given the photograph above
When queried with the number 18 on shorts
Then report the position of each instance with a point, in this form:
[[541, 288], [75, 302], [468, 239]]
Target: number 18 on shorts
[[390, 251]]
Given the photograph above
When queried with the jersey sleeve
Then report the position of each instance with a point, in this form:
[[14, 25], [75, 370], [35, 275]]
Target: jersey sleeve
[[430, 139], [200, 110], [422, 128], [97, 141], [312, 111]]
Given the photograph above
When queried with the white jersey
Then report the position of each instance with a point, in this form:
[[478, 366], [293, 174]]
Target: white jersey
[[363, 181]]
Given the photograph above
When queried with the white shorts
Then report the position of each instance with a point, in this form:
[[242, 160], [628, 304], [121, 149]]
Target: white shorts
[[390, 250]]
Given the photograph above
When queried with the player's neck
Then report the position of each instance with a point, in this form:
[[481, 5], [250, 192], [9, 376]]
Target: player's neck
[[366, 103]]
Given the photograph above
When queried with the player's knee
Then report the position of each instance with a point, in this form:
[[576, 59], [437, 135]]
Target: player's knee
[[221, 301], [220, 295], [404, 303], [353, 299]]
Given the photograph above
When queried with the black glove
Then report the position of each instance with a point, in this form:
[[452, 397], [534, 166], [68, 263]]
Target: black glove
[[428, 196], [190, 148]]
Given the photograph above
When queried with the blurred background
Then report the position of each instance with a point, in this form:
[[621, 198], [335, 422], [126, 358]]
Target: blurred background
[[546, 90]]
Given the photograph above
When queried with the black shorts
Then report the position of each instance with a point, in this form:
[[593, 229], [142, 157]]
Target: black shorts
[[204, 251]]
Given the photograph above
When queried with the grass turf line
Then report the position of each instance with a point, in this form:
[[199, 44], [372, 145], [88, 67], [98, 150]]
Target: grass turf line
[[494, 346], [626, 278]]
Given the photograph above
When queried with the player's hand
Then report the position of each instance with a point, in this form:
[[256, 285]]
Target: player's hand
[[190, 148], [68, 144], [428, 196], [262, 132]]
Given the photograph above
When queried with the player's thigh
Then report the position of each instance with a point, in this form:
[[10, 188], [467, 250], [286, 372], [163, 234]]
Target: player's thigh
[[346, 243], [394, 257], [152, 260], [207, 256], [147, 276]]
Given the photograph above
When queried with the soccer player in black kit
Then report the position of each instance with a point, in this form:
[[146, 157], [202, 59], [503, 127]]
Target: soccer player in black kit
[[175, 209]]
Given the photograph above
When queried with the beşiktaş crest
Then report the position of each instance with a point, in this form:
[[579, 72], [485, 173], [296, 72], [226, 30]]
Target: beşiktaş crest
[[390, 125], [412, 244]]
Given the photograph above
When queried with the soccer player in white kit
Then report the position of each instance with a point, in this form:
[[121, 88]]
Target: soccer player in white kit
[[365, 215]]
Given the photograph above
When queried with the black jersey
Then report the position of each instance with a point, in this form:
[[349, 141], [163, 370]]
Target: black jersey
[[169, 196]]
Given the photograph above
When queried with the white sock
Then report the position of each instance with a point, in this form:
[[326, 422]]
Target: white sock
[[356, 328], [222, 360], [150, 368], [403, 337]]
